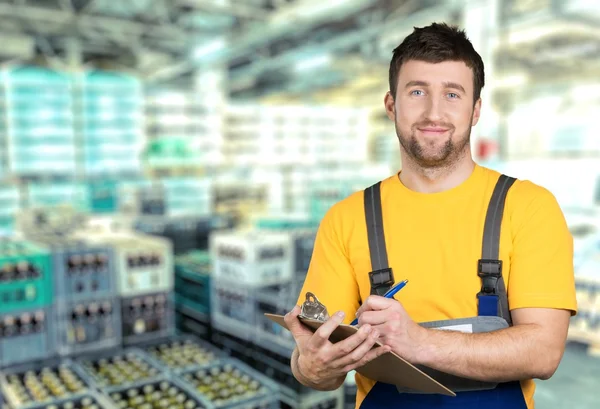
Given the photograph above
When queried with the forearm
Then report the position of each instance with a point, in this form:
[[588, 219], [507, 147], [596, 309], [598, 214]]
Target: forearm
[[515, 353], [327, 385]]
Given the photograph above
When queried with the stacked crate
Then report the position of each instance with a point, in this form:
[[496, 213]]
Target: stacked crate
[[86, 307], [245, 264], [193, 272], [39, 108], [25, 302], [184, 130], [109, 121], [10, 198], [144, 270]]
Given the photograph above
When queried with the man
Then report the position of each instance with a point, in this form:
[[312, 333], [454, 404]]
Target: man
[[433, 218]]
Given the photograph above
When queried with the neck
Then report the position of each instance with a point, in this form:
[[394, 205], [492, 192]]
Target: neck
[[438, 179]]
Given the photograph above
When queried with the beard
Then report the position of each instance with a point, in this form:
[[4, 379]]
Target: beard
[[434, 154]]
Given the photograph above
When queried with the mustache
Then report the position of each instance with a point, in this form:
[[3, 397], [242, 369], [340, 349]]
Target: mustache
[[433, 124]]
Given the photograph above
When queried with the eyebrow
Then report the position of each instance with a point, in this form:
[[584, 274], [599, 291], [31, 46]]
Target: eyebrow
[[452, 85]]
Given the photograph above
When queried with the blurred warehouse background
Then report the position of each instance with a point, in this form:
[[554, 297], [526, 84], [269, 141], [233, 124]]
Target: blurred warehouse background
[[164, 165]]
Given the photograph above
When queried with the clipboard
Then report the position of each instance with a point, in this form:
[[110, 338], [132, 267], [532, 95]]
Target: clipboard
[[387, 368]]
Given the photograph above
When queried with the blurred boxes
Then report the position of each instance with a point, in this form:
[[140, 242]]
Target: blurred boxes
[[252, 258]]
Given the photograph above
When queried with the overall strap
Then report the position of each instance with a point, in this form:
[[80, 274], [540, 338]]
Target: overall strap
[[493, 299], [382, 277]]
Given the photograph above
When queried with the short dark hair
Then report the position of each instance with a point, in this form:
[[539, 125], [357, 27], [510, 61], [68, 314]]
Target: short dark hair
[[436, 43]]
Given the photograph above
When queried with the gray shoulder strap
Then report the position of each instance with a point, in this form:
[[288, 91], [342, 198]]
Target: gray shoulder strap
[[375, 234], [382, 276], [490, 261]]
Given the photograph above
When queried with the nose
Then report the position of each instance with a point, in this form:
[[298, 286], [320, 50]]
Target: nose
[[433, 111]]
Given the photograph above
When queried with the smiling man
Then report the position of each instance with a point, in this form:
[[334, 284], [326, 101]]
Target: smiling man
[[487, 256]]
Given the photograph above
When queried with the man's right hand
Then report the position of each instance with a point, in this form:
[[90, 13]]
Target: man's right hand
[[320, 362]]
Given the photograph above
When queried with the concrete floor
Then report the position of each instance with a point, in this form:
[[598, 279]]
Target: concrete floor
[[575, 385]]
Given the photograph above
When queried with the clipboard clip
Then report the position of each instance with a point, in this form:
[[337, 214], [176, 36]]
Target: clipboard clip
[[313, 309]]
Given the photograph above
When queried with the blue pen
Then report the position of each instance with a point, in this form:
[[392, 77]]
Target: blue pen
[[389, 294]]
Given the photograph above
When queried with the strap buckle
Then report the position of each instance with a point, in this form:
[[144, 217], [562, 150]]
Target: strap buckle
[[490, 272], [381, 281]]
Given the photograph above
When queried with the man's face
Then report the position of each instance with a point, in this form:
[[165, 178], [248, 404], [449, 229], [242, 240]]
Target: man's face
[[433, 111]]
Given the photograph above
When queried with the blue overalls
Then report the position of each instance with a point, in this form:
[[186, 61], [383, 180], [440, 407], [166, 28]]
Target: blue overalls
[[492, 302]]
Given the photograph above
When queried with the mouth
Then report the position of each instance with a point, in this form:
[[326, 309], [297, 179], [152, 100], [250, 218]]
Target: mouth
[[433, 130]]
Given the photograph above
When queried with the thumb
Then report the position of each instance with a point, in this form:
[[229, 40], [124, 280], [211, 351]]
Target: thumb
[[294, 325]]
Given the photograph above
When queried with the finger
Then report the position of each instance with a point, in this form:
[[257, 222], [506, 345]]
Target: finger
[[368, 357], [377, 303], [345, 347], [321, 336], [294, 325], [360, 351], [374, 303], [373, 318]]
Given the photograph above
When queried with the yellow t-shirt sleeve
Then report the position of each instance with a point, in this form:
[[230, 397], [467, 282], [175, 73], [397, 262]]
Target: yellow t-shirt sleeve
[[541, 271], [330, 275]]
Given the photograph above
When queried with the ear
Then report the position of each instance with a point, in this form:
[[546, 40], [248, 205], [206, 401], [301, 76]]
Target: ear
[[390, 108], [476, 112]]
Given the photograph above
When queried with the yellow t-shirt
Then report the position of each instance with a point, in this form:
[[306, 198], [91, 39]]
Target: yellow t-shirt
[[435, 240]]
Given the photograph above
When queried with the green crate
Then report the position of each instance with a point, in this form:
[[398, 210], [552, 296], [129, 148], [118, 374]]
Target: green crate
[[192, 280], [25, 276]]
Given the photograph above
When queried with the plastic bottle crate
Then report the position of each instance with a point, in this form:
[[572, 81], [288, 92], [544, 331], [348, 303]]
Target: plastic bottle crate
[[90, 400], [117, 368], [26, 335], [144, 264], [233, 309], [25, 276], [82, 271], [192, 281], [314, 400], [104, 196], [88, 325], [147, 317], [238, 348], [187, 233], [255, 258], [41, 383], [190, 321], [277, 367], [232, 384], [350, 390], [170, 390], [303, 243], [270, 335], [181, 353]]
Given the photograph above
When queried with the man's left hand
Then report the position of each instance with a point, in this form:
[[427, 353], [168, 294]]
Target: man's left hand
[[395, 327]]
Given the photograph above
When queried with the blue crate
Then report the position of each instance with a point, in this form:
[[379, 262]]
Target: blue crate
[[87, 326], [65, 373], [265, 390], [83, 271], [233, 309], [268, 334], [21, 342], [147, 317]]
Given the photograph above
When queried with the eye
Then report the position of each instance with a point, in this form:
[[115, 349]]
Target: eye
[[416, 90], [453, 95]]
